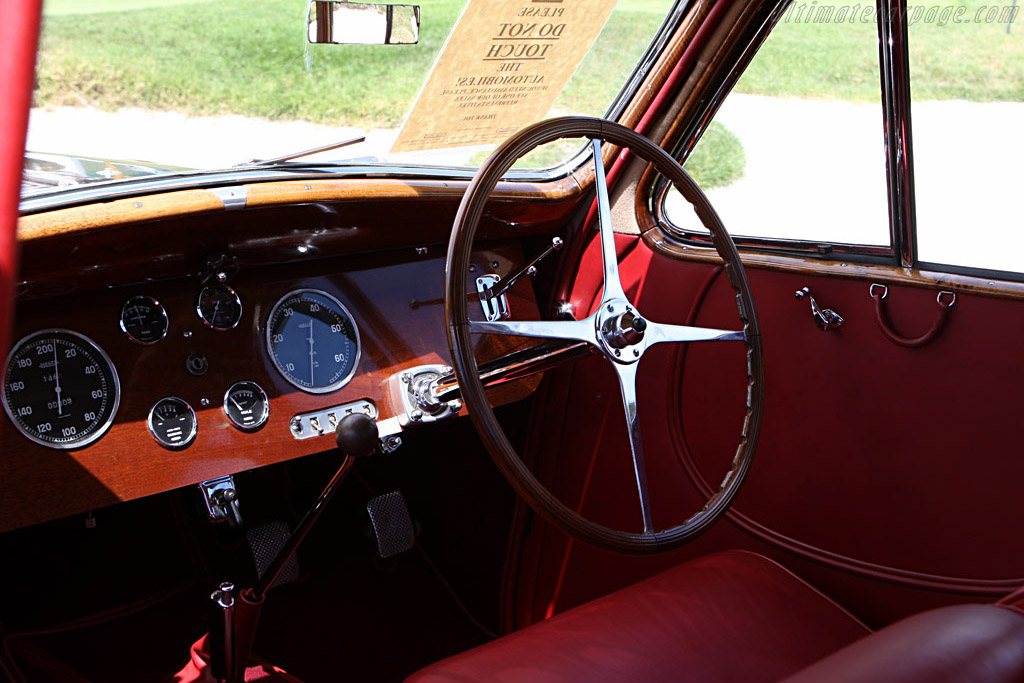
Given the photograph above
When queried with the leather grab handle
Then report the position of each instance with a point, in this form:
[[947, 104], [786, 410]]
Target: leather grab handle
[[944, 300]]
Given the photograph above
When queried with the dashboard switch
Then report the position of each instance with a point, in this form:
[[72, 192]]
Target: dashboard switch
[[196, 364]]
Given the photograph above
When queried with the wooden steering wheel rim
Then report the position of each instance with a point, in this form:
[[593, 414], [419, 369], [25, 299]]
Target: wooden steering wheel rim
[[464, 361]]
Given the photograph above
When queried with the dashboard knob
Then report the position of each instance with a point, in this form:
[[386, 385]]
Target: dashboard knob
[[357, 435]]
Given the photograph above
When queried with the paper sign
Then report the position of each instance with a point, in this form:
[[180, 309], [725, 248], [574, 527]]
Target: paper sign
[[502, 68]]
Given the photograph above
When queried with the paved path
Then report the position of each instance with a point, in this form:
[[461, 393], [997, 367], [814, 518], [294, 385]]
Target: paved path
[[174, 139], [815, 169]]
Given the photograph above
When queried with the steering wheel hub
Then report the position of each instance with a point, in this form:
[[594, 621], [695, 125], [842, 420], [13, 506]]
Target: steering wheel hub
[[620, 329]]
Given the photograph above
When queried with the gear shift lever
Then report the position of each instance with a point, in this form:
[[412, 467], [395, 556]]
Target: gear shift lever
[[356, 436]]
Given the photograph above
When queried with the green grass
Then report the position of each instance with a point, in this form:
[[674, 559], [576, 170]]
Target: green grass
[[979, 62], [249, 58], [718, 159], [232, 56], [606, 67], [60, 7]]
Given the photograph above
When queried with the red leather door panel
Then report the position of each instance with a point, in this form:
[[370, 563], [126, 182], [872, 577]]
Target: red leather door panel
[[887, 474]]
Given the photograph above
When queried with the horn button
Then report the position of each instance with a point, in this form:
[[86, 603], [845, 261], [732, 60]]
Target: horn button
[[621, 331]]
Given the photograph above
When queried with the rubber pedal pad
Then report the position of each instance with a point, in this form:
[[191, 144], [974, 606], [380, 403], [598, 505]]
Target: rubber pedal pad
[[392, 524], [265, 542]]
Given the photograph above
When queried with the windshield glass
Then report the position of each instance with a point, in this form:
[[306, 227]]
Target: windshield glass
[[210, 84]]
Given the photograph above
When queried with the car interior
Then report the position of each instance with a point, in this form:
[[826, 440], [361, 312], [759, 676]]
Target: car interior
[[375, 422]]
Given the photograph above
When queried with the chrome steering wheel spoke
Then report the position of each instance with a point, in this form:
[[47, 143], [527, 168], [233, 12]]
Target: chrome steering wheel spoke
[[575, 330], [609, 257], [659, 332], [627, 383]]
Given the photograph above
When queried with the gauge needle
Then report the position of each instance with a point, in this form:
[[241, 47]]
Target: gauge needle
[[213, 318], [236, 402], [311, 380], [56, 378]]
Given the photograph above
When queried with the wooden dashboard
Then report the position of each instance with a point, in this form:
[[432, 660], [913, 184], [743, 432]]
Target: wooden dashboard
[[380, 253]]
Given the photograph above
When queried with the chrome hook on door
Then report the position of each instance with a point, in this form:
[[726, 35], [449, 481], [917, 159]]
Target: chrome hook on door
[[826, 319]]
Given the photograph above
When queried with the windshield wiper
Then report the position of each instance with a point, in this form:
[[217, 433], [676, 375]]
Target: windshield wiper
[[304, 153]]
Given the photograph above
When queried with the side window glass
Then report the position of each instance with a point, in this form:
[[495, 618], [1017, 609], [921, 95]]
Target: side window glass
[[967, 89], [796, 151]]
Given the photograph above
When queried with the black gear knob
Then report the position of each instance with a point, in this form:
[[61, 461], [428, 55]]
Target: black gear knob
[[357, 435]]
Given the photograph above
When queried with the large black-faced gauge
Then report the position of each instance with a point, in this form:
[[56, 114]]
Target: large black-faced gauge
[[172, 422], [313, 340], [60, 389], [219, 307], [144, 320]]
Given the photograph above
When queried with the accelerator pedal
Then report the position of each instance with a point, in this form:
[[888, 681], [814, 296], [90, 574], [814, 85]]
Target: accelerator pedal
[[265, 542], [391, 523]]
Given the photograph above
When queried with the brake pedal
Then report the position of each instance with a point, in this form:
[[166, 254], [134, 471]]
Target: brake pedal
[[265, 542], [391, 523]]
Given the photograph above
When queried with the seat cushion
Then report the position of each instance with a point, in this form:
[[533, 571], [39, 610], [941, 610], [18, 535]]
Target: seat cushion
[[732, 616], [964, 643]]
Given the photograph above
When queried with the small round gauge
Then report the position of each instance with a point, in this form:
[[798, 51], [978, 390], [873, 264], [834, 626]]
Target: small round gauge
[[246, 405], [172, 422], [219, 307], [60, 389], [144, 320], [313, 340]]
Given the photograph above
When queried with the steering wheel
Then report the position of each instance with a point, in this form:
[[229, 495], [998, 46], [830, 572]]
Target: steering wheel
[[616, 329]]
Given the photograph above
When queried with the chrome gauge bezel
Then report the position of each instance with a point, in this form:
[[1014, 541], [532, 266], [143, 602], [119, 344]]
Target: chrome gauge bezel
[[261, 420], [355, 330], [208, 323], [155, 303], [184, 443], [115, 382]]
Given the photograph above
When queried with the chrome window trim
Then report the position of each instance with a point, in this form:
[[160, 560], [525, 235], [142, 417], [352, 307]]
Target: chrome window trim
[[893, 69], [894, 66]]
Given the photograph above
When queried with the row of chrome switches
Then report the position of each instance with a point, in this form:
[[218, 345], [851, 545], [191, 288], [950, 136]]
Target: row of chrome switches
[[320, 422]]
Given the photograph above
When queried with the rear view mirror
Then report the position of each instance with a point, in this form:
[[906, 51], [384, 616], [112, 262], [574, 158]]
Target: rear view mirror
[[363, 23]]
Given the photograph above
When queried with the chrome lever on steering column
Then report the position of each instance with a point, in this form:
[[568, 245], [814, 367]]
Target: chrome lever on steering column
[[488, 287], [529, 269], [826, 319]]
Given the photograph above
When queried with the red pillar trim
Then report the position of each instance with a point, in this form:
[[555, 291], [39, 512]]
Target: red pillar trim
[[19, 33]]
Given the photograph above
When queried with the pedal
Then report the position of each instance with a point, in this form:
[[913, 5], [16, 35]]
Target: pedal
[[391, 523], [265, 541]]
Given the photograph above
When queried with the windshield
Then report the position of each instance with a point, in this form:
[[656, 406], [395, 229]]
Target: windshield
[[210, 84]]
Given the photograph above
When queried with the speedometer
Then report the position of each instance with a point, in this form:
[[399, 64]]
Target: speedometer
[[313, 340], [60, 389]]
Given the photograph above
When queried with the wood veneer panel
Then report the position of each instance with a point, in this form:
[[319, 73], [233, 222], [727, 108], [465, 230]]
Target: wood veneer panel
[[134, 210], [168, 236], [395, 296]]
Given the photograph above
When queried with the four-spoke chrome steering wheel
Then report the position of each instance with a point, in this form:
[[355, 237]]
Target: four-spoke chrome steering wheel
[[616, 329]]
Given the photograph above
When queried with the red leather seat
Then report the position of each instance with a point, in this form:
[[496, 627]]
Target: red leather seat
[[738, 616], [970, 643], [732, 616]]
